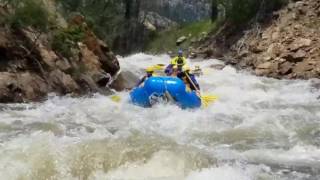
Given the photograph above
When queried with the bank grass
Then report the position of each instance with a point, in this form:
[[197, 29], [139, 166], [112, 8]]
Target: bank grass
[[166, 40], [65, 39], [30, 13]]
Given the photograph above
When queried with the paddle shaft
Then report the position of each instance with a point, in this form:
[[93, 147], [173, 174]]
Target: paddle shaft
[[192, 82]]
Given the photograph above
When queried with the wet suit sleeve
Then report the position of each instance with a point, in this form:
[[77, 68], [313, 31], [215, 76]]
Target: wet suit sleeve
[[193, 78], [168, 69], [141, 81]]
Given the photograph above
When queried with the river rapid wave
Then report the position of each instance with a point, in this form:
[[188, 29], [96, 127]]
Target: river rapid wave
[[259, 129]]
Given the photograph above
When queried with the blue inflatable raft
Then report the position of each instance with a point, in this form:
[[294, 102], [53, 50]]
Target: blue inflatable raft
[[157, 89]]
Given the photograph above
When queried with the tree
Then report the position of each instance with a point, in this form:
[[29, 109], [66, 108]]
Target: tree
[[132, 9], [29, 13], [214, 10], [137, 9], [128, 5], [241, 11]]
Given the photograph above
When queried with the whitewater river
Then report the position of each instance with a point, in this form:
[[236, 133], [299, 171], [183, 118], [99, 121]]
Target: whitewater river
[[260, 129]]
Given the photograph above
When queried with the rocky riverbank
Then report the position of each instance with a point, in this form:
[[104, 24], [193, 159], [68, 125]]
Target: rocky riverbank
[[287, 45], [30, 68]]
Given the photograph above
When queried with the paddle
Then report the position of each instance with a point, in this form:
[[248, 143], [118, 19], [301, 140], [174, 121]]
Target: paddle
[[206, 100], [158, 67], [116, 98]]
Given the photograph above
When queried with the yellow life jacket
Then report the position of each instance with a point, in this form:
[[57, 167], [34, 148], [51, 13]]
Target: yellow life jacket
[[179, 61]]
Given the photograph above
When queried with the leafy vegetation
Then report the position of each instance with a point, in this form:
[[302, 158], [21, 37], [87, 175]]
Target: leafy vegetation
[[65, 40], [166, 41], [241, 11], [105, 17], [236, 12], [29, 13], [117, 21]]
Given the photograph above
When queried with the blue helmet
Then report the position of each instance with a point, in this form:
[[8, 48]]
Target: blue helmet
[[180, 52]]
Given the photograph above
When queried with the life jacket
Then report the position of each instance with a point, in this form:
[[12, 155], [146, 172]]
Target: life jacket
[[179, 61]]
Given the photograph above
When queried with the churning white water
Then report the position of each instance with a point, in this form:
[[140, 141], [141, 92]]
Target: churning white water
[[259, 129]]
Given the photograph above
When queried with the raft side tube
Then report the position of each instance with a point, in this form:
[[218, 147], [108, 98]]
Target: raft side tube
[[140, 97], [159, 86]]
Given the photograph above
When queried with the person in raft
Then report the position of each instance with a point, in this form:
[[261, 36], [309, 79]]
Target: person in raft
[[189, 79], [178, 61], [149, 73]]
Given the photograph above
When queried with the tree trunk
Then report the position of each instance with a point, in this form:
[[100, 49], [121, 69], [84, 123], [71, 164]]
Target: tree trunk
[[137, 9], [214, 10], [128, 4]]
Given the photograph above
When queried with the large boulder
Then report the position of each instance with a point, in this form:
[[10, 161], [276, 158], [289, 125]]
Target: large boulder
[[153, 21], [89, 59], [299, 43], [286, 68], [20, 87], [302, 67], [106, 57], [4, 41], [125, 80], [8, 85], [300, 55], [274, 50], [149, 26], [32, 86], [267, 68], [35, 41], [30, 69], [181, 39], [63, 83]]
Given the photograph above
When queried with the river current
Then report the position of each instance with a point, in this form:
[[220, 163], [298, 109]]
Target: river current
[[259, 129]]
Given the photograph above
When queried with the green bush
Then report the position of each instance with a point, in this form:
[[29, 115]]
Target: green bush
[[241, 11], [166, 41], [29, 13], [64, 40], [104, 17]]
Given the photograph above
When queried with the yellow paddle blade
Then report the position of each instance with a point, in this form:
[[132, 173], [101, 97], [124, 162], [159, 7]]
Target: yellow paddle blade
[[116, 98], [206, 71], [158, 67], [208, 99]]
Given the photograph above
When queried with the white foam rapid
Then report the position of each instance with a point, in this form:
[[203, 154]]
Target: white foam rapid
[[259, 128]]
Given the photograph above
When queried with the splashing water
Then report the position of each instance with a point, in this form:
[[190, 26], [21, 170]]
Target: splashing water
[[259, 129]]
